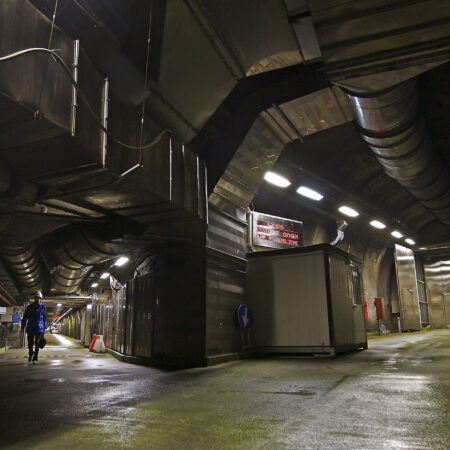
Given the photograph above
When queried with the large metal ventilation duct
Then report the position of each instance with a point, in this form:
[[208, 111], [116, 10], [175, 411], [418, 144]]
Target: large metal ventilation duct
[[390, 123], [74, 253], [24, 264]]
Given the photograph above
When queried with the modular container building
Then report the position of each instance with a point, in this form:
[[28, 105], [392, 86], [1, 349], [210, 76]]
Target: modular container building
[[306, 300]]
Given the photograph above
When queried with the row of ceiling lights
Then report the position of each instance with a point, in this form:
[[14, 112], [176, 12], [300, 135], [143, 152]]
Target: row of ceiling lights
[[120, 262], [282, 182]]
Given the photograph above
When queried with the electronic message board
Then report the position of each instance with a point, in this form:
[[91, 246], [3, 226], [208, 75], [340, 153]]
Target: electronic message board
[[275, 232]]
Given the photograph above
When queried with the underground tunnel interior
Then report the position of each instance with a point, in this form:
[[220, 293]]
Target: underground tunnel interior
[[153, 152]]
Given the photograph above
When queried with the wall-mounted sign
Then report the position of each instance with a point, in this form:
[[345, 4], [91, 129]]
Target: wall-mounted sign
[[16, 318], [275, 232], [245, 317]]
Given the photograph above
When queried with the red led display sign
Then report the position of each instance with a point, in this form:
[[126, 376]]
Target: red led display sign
[[275, 232]]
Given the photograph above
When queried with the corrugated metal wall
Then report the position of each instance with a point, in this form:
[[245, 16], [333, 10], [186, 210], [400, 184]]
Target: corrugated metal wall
[[72, 324], [125, 318], [180, 281], [140, 293], [158, 315], [226, 282], [437, 276], [185, 309], [407, 288], [423, 302], [120, 300]]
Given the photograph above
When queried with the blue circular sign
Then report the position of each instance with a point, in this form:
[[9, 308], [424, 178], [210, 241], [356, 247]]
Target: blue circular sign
[[245, 316]]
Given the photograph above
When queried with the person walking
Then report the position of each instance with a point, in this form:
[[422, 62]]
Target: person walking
[[35, 322]]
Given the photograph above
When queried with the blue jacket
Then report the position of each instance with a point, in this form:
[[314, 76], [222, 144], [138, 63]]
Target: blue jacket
[[35, 318]]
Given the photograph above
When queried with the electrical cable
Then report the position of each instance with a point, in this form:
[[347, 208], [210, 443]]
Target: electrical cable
[[37, 112], [61, 62], [53, 24], [147, 57]]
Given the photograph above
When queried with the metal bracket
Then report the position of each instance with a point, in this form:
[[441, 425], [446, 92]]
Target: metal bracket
[[104, 137], [75, 65]]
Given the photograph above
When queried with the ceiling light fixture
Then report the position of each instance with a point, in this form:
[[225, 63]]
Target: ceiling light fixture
[[276, 179], [377, 224], [104, 275], [121, 261], [410, 241], [94, 285], [348, 211], [310, 193], [59, 304], [397, 234]]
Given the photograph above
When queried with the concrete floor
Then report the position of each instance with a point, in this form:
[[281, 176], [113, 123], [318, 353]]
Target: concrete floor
[[393, 395]]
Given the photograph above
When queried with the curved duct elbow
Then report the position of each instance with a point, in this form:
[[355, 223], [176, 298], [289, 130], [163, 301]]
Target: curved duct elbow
[[75, 254], [24, 264], [391, 125]]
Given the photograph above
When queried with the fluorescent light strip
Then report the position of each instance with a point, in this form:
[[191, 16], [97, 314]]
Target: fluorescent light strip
[[410, 241], [348, 211], [310, 193], [121, 261], [105, 275], [377, 224], [397, 234], [93, 285], [276, 179]]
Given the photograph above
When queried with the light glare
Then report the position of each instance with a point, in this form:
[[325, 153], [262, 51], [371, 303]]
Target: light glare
[[93, 285], [59, 304], [276, 179], [348, 211], [121, 261], [377, 224], [397, 234], [104, 275], [410, 241], [307, 192]]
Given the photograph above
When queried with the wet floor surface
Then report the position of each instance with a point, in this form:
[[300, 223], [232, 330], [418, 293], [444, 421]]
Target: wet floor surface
[[393, 395]]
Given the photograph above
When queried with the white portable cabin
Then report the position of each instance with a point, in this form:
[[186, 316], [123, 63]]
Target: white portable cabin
[[306, 300]]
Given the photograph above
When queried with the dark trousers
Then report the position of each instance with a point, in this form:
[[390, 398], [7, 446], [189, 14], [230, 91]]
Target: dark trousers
[[34, 339]]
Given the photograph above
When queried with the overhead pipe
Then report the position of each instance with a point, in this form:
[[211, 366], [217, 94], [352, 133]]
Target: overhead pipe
[[65, 314], [68, 298], [69, 258], [389, 121], [5, 300], [24, 264], [75, 252]]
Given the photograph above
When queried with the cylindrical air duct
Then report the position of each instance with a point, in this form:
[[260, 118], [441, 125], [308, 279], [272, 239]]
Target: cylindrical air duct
[[390, 123]]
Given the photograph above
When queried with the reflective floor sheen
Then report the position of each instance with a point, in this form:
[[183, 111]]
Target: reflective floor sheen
[[393, 395]]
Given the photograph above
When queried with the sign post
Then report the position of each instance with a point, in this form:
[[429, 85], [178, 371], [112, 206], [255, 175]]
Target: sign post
[[245, 319]]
